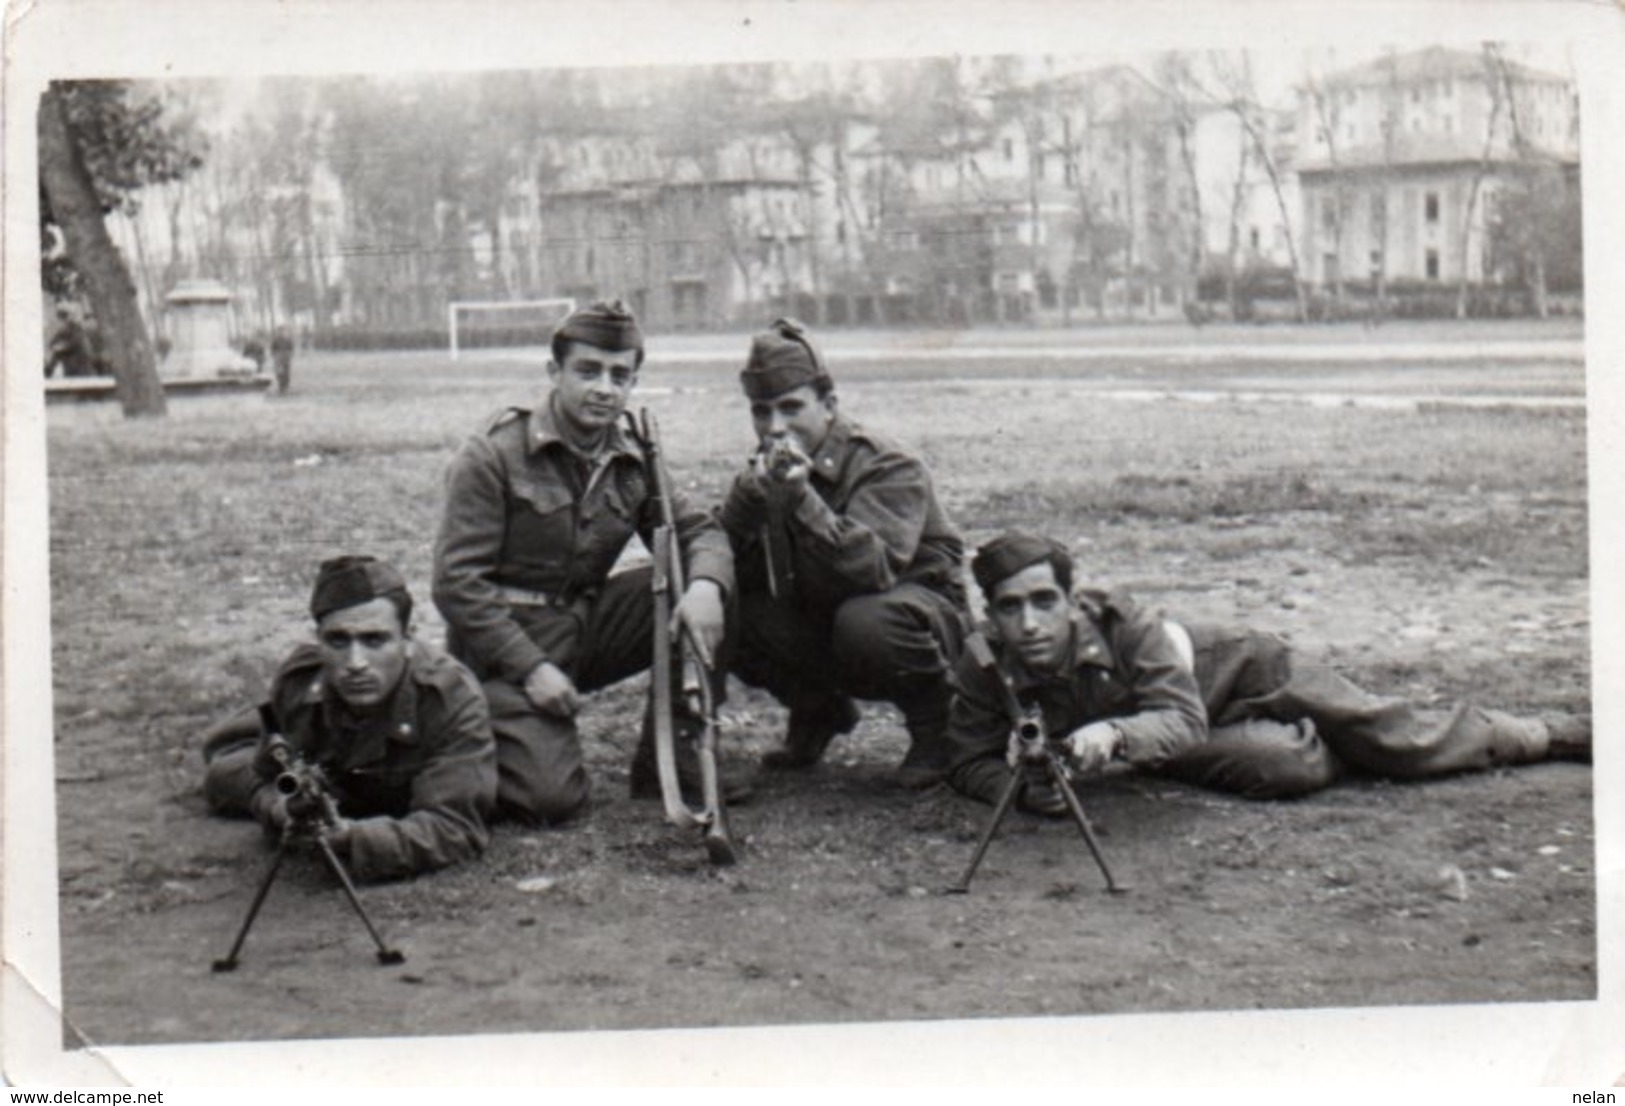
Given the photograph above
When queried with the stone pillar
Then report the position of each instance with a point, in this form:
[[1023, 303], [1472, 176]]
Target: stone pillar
[[200, 333]]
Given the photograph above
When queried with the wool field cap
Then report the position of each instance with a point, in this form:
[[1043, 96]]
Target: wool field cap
[[347, 581], [606, 324], [782, 357], [1008, 554]]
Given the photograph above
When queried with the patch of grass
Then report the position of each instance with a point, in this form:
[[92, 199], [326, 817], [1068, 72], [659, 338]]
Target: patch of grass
[[1177, 498]]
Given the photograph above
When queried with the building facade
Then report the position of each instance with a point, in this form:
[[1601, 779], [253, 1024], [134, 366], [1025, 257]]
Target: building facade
[[1405, 162]]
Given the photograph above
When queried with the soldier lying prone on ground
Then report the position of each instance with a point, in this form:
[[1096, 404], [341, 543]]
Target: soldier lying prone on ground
[[398, 729], [1225, 708]]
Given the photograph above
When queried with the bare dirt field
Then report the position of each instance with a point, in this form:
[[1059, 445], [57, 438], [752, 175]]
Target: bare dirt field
[[1431, 548]]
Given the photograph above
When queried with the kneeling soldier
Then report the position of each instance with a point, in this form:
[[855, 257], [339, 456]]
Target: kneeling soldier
[[1227, 709], [398, 728], [539, 508]]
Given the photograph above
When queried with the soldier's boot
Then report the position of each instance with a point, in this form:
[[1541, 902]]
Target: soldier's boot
[[645, 774], [925, 713], [1568, 737], [812, 728]]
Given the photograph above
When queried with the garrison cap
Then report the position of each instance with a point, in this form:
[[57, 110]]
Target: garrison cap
[[606, 324], [350, 580], [1009, 553], [782, 357]]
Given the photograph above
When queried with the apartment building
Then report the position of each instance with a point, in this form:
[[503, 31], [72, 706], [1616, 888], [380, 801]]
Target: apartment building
[[1403, 161]]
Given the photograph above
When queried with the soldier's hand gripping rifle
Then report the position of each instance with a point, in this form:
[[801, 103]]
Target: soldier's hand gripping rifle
[[1029, 745], [311, 813], [676, 650]]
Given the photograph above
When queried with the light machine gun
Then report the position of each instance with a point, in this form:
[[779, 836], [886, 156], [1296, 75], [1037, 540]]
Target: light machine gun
[[1029, 745], [311, 811], [676, 651]]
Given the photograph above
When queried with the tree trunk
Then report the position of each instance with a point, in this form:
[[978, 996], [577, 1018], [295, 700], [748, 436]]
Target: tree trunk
[[77, 211]]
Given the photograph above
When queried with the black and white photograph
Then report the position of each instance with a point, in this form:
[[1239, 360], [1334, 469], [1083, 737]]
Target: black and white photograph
[[911, 543]]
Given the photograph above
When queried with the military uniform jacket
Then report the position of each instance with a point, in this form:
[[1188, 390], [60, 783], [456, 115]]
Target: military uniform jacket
[[418, 774], [1123, 668], [519, 514], [868, 521]]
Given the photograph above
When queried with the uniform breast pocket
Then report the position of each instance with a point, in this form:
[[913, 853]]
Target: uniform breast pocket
[[541, 525], [610, 518], [540, 497]]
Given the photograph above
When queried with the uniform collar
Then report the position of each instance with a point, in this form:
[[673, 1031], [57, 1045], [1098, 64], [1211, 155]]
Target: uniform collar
[[831, 453], [542, 431]]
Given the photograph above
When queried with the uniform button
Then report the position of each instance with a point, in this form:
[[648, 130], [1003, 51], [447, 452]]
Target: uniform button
[[406, 727]]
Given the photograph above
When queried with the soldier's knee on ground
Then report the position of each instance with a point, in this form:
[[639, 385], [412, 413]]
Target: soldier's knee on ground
[[533, 800], [546, 806], [541, 777]]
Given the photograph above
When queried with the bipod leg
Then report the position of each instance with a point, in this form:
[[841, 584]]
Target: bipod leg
[[386, 955], [1000, 809], [228, 963], [1058, 773]]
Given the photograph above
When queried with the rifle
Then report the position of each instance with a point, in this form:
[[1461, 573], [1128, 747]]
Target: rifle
[[1029, 744], [676, 652], [312, 811]]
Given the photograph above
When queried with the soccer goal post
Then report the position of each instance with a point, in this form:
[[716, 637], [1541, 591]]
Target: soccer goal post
[[505, 322]]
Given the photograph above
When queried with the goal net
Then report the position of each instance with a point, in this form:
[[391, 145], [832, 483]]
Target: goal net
[[506, 324]]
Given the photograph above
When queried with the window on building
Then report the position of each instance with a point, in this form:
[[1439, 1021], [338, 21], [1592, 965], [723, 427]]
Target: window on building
[[1379, 214], [1430, 207], [1432, 262], [1252, 238], [1009, 150]]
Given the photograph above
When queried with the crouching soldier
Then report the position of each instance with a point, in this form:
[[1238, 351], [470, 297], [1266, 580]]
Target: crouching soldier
[[1228, 709], [540, 506], [849, 569], [398, 728]]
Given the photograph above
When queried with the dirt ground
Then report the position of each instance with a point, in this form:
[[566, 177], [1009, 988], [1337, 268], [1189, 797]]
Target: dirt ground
[[1455, 566]]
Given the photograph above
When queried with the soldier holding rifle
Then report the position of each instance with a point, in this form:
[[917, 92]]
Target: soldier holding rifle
[[396, 728], [849, 569], [539, 507], [1228, 709]]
